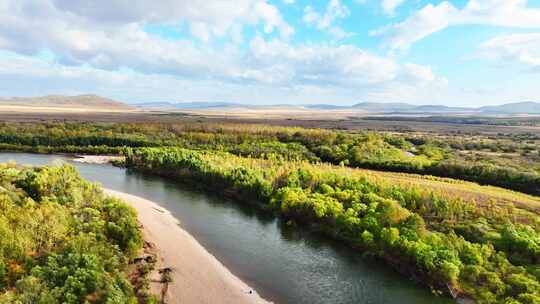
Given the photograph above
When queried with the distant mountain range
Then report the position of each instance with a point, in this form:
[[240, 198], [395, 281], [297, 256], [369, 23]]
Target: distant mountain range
[[102, 103], [61, 101], [188, 105], [409, 108], [368, 107], [527, 107], [509, 108]]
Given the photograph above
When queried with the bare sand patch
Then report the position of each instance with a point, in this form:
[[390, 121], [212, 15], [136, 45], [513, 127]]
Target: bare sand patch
[[96, 159], [198, 277]]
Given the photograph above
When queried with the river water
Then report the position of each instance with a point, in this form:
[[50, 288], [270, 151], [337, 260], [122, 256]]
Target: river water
[[283, 264]]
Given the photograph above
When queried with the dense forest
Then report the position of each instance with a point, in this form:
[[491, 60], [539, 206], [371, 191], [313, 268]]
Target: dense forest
[[457, 237], [511, 162], [451, 244], [62, 240]]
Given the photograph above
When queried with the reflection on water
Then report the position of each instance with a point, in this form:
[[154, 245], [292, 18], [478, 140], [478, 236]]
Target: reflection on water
[[284, 264]]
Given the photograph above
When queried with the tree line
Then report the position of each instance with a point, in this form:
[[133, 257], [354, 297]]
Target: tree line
[[453, 245], [380, 151], [62, 240]]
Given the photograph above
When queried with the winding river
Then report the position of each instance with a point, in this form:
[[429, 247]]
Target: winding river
[[283, 264]]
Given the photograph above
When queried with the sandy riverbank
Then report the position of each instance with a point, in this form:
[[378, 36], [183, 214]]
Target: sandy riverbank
[[96, 159], [198, 277]]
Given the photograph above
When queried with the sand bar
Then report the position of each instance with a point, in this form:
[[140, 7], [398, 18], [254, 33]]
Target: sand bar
[[96, 159], [198, 277]]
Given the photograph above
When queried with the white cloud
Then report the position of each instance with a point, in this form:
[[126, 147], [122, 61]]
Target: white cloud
[[389, 6], [425, 22], [273, 66], [334, 10], [25, 75], [339, 33], [272, 18], [325, 21], [310, 15], [434, 18], [342, 66], [514, 48], [29, 27], [206, 18], [108, 51]]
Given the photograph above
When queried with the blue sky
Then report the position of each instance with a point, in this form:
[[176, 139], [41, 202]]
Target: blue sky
[[462, 52]]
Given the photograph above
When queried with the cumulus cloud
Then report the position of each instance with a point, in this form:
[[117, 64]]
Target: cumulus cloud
[[207, 18], [25, 75], [125, 45], [334, 10], [28, 27], [342, 66], [91, 49], [433, 18], [523, 49], [325, 21], [389, 6], [311, 16]]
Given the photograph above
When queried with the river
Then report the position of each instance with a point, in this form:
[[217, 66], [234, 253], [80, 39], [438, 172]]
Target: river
[[283, 264]]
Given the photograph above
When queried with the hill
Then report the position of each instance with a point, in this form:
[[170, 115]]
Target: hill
[[527, 107], [406, 108], [62, 101]]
